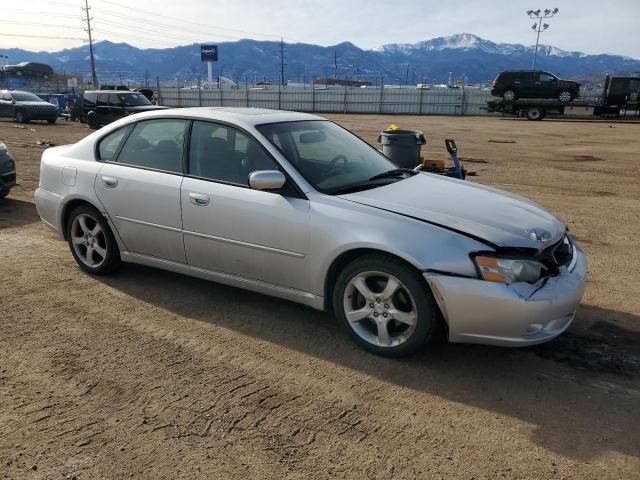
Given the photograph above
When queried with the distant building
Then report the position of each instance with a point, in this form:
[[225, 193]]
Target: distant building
[[342, 83]]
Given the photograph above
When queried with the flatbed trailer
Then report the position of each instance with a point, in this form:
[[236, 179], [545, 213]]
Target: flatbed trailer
[[620, 97]]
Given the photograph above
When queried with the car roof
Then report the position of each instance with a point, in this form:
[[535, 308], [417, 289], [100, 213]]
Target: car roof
[[238, 115]]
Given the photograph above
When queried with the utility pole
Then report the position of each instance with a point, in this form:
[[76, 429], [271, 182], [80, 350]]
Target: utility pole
[[406, 77], [281, 61], [539, 27], [94, 78]]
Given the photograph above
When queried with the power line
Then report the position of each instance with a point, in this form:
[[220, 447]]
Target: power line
[[217, 27], [48, 25], [48, 37]]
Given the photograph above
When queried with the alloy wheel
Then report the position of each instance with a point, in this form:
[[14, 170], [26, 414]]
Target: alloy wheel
[[564, 96], [88, 240], [509, 95], [380, 309]]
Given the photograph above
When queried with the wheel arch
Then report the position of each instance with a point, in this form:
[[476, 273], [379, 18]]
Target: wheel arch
[[348, 256], [69, 206]]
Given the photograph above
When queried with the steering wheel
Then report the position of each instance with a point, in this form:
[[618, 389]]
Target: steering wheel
[[334, 161]]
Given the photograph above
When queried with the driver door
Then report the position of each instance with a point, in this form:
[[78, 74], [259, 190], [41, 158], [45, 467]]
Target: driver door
[[229, 227]]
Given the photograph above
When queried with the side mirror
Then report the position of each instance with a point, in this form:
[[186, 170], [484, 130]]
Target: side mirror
[[267, 180]]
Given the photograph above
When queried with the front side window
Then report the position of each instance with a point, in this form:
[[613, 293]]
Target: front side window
[[114, 101], [108, 146], [329, 157], [547, 77], [219, 152], [103, 100], [157, 144]]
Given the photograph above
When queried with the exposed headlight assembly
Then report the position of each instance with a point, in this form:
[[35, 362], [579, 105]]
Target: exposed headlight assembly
[[505, 270], [3, 148]]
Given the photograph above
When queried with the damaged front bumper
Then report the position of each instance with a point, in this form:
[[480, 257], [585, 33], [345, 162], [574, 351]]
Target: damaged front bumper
[[520, 314]]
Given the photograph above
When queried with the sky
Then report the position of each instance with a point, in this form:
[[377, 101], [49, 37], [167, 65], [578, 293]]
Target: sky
[[580, 25]]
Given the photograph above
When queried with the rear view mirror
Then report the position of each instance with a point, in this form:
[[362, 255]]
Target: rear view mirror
[[267, 180], [313, 137]]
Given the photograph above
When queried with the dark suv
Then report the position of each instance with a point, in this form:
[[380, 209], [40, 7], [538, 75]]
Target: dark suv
[[514, 84], [26, 106], [101, 107]]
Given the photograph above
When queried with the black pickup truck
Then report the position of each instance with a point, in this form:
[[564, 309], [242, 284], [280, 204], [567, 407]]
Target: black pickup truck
[[620, 95]]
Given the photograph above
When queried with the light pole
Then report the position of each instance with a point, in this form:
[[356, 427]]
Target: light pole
[[539, 27]]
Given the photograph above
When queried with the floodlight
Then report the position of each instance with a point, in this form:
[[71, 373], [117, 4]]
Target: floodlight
[[545, 26], [534, 26], [547, 11], [555, 10], [537, 12]]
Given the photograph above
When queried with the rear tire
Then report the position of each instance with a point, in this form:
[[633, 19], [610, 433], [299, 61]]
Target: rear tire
[[385, 305], [92, 121], [91, 241], [4, 193], [535, 113], [51, 121], [20, 117], [509, 95]]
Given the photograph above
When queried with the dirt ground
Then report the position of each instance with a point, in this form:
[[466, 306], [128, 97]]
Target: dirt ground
[[149, 374]]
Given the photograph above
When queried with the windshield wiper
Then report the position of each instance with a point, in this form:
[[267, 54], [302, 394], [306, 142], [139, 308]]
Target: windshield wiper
[[394, 173]]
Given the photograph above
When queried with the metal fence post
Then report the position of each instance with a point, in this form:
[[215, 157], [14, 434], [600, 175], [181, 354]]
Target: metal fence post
[[421, 95], [179, 101], [380, 101], [246, 93], [279, 95], [462, 102], [344, 99], [159, 94], [313, 95], [220, 88], [199, 91]]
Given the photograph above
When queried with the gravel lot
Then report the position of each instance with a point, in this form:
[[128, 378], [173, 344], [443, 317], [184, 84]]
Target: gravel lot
[[148, 374]]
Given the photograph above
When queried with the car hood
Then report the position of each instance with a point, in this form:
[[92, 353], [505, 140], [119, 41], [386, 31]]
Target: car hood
[[36, 104], [500, 218], [144, 108]]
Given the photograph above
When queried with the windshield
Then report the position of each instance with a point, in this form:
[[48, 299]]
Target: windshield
[[133, 99], [25, 97], [329, 157]]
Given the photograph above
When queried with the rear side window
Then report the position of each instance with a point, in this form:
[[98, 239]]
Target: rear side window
[[109, 145], [157, 144], [91, 97], [103, 99]]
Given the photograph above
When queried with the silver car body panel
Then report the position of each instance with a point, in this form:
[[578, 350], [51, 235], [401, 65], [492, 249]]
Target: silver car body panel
[[285, 246]]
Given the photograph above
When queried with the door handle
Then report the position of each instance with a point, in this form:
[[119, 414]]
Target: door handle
[[199, 199], [109, 182]]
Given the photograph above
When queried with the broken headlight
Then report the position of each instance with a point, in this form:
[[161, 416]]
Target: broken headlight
[[505, 270]]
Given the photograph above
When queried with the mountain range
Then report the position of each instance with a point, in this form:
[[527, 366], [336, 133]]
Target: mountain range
[[465, 55]]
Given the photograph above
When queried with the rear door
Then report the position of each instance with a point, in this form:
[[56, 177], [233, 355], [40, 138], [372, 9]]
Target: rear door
[[231, 228], [102, 108], [139, 185]]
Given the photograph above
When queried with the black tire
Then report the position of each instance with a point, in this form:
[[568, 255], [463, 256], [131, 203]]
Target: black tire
[[51, 121], [509, 95], [92, 121], [4, 193], [111, 260], [21, 117], [535, 113], [428, 314], [565, 96]]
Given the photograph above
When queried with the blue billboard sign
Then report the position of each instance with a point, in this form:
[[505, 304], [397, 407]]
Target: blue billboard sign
[[209, 53]]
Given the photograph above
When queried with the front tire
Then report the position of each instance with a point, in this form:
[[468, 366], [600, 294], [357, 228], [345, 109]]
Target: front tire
[[51, 121], [92, 121], [20, 117], [385, 305], [565, 96], [91, 241]]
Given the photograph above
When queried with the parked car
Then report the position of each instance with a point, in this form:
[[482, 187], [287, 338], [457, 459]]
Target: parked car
[[26, 106], [514, 84], [294, 206], [101, 107], [7, 171], [29, 69]]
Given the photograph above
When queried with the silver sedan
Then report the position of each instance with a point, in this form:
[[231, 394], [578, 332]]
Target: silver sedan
[[294, 206]]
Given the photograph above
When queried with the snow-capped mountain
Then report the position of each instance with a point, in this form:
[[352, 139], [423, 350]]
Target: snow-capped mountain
[[464, 54]]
